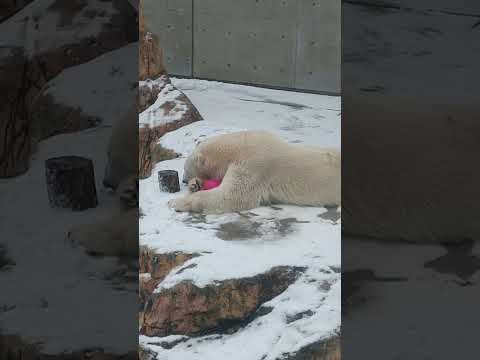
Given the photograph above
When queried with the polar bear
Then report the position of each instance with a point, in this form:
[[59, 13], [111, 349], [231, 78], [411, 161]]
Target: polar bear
[[258, 168]]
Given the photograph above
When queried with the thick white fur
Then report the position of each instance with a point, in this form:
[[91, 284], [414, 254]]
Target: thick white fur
[[259, 168]]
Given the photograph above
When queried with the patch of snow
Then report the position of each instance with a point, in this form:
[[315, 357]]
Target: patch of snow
[[145, 340], [297, 236], [303, 117], [144, 276], [151, 83], [155, 114]]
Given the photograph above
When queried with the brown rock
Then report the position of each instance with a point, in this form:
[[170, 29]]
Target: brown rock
[[159, 265], [150, 54], [148, 91], [153, 269], [146, 354], [25, 70], [149, 136], [150, 57], [141, 18], [187, 309]]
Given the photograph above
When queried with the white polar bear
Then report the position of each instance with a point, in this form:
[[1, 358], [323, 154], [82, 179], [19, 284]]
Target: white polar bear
[[258, 168]]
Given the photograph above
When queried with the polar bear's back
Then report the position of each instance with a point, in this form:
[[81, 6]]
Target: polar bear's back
[[306, 175], [289, 173], [241, 144]]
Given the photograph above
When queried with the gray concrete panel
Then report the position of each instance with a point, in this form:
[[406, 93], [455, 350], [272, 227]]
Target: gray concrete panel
[[249, 41], [318, 58], [281, 43], [171, 21]]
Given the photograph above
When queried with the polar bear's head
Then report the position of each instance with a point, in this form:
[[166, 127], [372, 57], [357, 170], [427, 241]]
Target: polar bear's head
[[196, 166]]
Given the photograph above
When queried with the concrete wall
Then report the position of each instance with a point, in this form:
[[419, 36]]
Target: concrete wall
[[281, 43]]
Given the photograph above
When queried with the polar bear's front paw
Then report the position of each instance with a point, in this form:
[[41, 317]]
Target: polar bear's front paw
[[194, 185], [181, 205]]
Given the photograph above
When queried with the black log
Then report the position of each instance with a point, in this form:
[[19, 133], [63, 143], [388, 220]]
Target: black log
[[168, 181], [71, 182]]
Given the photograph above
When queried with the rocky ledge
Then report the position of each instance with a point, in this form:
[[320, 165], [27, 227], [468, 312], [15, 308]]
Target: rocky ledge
[[187, 309], [163, 108]]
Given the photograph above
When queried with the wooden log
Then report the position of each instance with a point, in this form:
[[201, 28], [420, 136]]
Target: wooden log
[[168, 181], [71, 182]]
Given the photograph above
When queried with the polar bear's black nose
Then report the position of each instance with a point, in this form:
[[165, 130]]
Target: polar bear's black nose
[[185, 181]]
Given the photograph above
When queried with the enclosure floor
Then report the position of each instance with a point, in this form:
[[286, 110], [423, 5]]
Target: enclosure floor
[[250, 243]]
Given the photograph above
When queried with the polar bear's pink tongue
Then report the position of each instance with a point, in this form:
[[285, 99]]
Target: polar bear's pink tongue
[[210, 184]]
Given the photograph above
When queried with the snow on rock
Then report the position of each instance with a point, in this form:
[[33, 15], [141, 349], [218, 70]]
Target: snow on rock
[[224, 306], [232, 248], [163, 108], [167, 108]]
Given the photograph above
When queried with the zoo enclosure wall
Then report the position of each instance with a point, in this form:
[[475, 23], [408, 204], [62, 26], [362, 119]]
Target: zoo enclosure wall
[[291, 44]]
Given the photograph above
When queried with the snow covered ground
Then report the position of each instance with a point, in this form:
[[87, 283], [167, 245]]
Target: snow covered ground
[[248, 243]]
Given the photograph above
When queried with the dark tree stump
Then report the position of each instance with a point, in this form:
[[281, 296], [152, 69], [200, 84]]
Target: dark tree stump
[[168, 180], [71, 182]]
